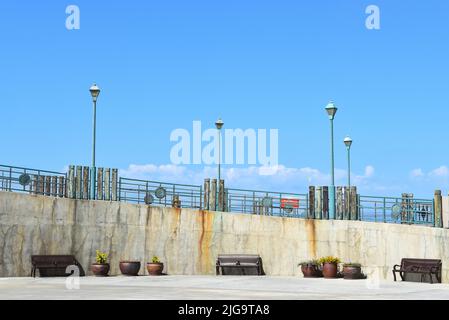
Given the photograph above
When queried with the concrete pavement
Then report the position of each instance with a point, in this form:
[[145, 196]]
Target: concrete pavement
[[214, 288]]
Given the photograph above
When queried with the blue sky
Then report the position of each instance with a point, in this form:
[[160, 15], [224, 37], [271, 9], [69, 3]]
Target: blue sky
[[257, 64]]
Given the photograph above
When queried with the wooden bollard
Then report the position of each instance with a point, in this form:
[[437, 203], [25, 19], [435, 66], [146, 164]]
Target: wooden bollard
[[213, 195], [85, 191], [438, 200], [78, 182], [325, 203], [71, 183], [347, 206], [206, 193], [54, 186], [35, 184], [353, 203], [221, 190], [61, 187], [340, 203], [100, 184], [114, 185], [311, 213], [176, 202], [48, 185], [107, 184], [318, 203]]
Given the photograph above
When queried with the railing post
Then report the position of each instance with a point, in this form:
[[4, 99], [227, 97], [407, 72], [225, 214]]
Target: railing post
[[206, 194], [114, 185], [311, 212], [326, 203], [438, 209], [318, 203], [340, 203], [107, 184], [10, 179], [385, 210]]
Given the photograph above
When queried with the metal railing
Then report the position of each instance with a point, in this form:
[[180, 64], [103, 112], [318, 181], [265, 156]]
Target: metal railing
[[160, 193], [267, 203], [396, 210], [33, 181], [399, 210]]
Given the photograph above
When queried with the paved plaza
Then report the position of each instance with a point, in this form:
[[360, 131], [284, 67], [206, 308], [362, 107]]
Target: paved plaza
[[214, 288]]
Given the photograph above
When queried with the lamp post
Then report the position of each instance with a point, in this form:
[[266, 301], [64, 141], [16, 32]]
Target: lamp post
[[95, 92], [348, 143], [219, 124], [331, 110]]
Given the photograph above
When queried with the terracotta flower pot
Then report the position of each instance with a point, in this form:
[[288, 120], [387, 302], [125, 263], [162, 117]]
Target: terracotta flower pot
[[130, 268], [155, 269], [352, 272], [311, 271], [330, 270], [100, 270]]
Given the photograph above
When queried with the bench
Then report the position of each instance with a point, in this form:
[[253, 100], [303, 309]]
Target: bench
[[240, 265], [419, 270], [54, 266]]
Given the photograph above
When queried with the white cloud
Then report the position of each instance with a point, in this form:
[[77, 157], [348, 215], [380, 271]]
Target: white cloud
[[278, 178], [417, 173], [369, 171], [442, 172]]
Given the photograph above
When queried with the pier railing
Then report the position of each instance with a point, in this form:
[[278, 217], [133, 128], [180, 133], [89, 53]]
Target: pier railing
[[313, 205]]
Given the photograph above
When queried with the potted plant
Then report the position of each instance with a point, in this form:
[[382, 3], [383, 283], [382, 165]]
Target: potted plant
[[101, 267], [311, 269], [130, 268], [155, 267], [352, 271], [330, 267]]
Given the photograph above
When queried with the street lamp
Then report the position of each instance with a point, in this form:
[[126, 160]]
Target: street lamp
[[95, 92], [348, 143], [219, 124], [331, 110]]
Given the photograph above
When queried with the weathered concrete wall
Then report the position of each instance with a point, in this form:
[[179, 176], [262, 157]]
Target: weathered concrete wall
[[189, 241]]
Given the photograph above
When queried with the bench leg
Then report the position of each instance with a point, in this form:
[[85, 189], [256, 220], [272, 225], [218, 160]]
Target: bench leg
[[394, 275]]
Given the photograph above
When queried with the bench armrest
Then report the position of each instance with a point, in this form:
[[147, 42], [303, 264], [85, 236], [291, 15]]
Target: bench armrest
[[397, 267]]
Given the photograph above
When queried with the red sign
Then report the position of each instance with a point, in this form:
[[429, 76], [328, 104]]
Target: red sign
[[290, 203]]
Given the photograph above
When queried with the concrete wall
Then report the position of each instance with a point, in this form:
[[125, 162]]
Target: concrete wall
[[189, 241]]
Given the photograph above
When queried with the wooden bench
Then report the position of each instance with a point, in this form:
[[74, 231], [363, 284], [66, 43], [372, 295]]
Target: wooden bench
[[240, 264], [419, 270], [53, 266]]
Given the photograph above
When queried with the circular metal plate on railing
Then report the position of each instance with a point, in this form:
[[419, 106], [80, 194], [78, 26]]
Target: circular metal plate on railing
[[149, 199], [288, 209], [24, 179], [396, 211], [160, 193]]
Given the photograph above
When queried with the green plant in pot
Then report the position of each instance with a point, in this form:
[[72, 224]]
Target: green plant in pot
[[330, 267], [155, 267], [101, 266], [311, 269], [352, 271]]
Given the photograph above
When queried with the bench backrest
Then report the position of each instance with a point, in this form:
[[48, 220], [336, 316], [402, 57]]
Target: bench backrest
[[423, 263], [242, 258], [62, 260]]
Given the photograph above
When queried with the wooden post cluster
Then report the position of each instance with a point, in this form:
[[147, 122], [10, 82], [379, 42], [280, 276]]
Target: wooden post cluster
[[347, 203], [78, 183], [54, 186], [215, 195]]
